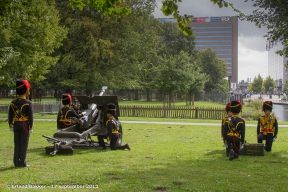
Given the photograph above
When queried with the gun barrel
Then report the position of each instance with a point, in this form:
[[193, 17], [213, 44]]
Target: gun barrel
[[51, 138], [103, 90]]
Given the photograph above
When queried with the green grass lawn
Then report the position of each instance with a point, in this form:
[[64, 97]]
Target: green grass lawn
[[163, 157]]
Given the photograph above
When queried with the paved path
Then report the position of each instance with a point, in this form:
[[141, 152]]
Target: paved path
[[185, 123], [166, 123]]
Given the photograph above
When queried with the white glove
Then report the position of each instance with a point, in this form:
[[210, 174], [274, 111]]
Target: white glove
[[12, 129], [242, 147], [30, 131], [225, 145], [274, 139]]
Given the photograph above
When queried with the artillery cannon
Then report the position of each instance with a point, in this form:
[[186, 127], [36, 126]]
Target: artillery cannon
[[92, 123]]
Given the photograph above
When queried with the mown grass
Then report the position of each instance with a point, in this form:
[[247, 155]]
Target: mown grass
[[163, 157]]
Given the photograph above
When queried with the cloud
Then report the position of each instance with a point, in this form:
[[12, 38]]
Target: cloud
[[251, 62], [252, 54], [256, 43]]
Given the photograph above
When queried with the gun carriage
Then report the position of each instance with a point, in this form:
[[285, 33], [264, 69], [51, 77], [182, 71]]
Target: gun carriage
[[92, 123]]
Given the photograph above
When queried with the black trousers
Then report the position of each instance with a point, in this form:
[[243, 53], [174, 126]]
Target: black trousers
[[21, 139], [269, 140], [113, 141], [235, 141]]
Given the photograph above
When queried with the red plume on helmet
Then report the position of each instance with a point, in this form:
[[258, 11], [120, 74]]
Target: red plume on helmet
[[227, 107], [22, 86], [66, 99]]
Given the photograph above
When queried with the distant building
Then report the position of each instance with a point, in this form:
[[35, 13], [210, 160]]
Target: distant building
[[221, 35], [276, 64]]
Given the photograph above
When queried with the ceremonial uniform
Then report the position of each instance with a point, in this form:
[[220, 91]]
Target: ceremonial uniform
[[228, 115], [267, 127], [66, 113], [234, 130], [20, 119], [112, 130]]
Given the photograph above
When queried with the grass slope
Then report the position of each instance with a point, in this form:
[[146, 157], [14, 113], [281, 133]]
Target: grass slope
[[163, 157]]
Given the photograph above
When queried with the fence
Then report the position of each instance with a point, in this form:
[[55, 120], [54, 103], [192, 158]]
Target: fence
[[175, 112], [42, 108], [140, 111]]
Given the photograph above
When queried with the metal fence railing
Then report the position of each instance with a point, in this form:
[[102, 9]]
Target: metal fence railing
[[42, 108]]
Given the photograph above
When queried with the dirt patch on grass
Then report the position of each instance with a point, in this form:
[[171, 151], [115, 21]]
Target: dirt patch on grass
[[161, 189]]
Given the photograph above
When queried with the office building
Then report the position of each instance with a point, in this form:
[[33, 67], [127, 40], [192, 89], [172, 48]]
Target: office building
[[276, 64], [221, 35]]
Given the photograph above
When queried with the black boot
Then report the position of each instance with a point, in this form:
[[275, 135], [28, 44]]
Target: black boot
[[231, 153], [227, 152], [127, 146]]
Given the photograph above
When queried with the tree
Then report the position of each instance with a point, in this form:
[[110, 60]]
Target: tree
[[29, 33], [117, 8], [273, 15], [269, 84], [197, 84], [257, 84], [106, 7], [285, 89], [177, 74], [215, 70], [105, 50], [175, 41], [249, 87]]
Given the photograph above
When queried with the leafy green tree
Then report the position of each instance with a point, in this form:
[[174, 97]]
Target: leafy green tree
[[79, 67], [257, 84], [269, 84], [118, 8], [175, 41], [285, 89], [106, 7], [249, 87], [105, 50], [30, 33], [139, 41], [197, 84], [215, 70], [176, 74]]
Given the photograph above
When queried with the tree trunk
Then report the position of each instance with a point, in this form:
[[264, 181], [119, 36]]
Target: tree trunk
[[193, 97], [170, 96], [148, 95], [136, 95], [129, 95]]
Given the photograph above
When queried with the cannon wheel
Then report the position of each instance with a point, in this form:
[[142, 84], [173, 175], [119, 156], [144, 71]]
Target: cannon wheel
[[121, 135]]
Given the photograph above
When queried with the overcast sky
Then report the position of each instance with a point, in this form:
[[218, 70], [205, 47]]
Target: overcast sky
[[252, 54]]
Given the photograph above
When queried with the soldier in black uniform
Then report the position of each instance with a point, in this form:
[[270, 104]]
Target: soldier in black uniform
[[112, 129], [66, 113], [20, 119], [234, 130], [267, 127], [228, 115]]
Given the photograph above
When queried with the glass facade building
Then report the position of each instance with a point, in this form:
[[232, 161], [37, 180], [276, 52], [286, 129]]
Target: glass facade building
[[276, 64], [221, 35]]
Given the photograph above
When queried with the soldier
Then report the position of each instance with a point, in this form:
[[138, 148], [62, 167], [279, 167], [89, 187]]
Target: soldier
[[20, 119], [234, 130], [229, 114], [66, 113], [267, 127], [112, 129]]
